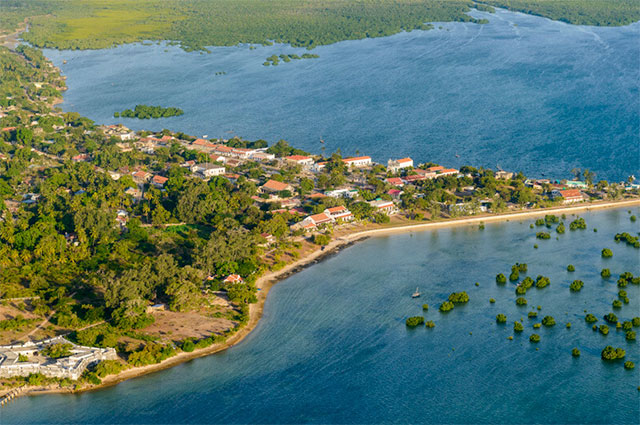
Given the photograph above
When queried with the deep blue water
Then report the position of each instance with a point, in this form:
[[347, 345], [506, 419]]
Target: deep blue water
[[522, 92], [333, 347]]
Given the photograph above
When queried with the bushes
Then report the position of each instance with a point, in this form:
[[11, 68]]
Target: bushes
[[188, 345], [542, 281], [150, 354], [629, 239], [501, 318], [321, 239], [532, 314], [492, 301], [576, 285], [607, 253], [534, 338], [610, 353], [446, 306], [604, 329], [611, 318], [425, 307], [605, 273], [630, 336], [521, 301], [629, 365], [560, 229], [430, 324], [517, 327], [414, 321], [109, 367], [571, 268], [635, 321], [616, 304], [459, 297], [514, 276], [501, 279], [578, 223], [543, 235], [56, 351], [575, 352], [548, 321], [146, 112], [590, 318]]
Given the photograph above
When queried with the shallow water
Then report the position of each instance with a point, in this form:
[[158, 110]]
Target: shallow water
[[521, 92], [333, 347]]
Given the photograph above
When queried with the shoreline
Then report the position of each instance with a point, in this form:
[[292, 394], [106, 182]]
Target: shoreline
[[267, 281]]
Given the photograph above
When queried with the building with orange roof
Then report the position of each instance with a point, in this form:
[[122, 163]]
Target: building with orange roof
[[274, 186]]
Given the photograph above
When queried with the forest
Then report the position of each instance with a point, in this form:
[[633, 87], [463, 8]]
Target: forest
[[196, 24]]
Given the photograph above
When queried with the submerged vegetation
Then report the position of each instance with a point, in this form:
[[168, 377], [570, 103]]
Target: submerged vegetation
[[275, 60]]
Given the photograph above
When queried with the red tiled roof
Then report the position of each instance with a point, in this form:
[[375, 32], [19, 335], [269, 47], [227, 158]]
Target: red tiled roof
[[338, 209], [233, 278], [357, 158], [320, 218], [275, 185], [297, 158], [404, 160], [160, 179], [571, 193], [397, 181]]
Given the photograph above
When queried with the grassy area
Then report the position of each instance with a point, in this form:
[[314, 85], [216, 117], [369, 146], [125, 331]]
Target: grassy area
[[84, 24]]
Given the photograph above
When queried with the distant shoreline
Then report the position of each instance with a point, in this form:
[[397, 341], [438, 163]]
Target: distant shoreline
[[267, 281]]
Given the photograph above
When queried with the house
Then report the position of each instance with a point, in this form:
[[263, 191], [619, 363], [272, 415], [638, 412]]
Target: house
[[342, 193], [396, 181], [159, 181], [127, 136], [396, 165], [83, 157], [208, 170], [427, 174], [395, 193], [141, 177], [233, 178], [358, 161], [188, 164], [122, 217], [386, 207], [273, 186], [203, 145], [340, 212], [305, 161], [315, 220], [503, 175], [319, 166], [569, 196], [447, 172], [218, 158], [135, 193], [262, 156], [233, 278], [414, 178]]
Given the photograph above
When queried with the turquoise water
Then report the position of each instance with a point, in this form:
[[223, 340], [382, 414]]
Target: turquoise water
[[333, 347], [522, 92]]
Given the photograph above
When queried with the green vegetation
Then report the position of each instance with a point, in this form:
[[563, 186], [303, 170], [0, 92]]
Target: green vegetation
[[22, 358], [532, 314], [578, 224], [501, 279], [430, 324], [492, 301], [543, 235], [571, 268], [414, 321], [628, 238], [590, 318], [617, 304], [517, 327], [604, 329], [521, 301], [605, 273], [611, 318], [610, 353], [568, 325], [501, 318], [575, 352], [576, 285], [150, 354], [321, 239], [630, 336], [560, 229], [425, 307], [17, 323], [446, 306], [629, 365], [459, 297], [144, 112], [635, 321], [534, 338], [607, 253], [542, 282], [548, 321], [275, 60], [56, 351]]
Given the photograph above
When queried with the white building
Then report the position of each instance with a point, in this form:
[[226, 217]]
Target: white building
[[387, 207], [358, 162], [208, 170], [395, 165]]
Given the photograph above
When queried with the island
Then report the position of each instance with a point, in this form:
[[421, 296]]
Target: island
[[145, 112]]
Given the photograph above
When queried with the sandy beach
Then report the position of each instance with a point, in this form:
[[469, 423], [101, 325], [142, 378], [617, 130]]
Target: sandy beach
[[266, 282]]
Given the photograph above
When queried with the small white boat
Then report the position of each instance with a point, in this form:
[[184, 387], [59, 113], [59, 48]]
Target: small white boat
[[416, 294]]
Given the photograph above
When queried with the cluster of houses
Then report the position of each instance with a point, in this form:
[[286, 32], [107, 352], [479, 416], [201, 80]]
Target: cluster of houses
[[27, 358]]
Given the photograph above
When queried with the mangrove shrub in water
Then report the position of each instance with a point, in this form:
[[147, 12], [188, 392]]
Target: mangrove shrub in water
[[517, 327], [629, 365], [446, 306], [542, 281], [630, 336], [611, 318], [610, 353], [605, 273], [571, 268], [459, 297], [604, 329], [425, 307], [590, 318], [543, 235], [501, 318], [575, 352], [576, 285], [534, 338], [607, 253], [521, 301], [501, 279], [548, 321], [414, 321], [578, 223], [430, 324]]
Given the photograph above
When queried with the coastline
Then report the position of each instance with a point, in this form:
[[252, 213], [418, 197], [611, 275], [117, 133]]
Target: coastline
[[267, 281]]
